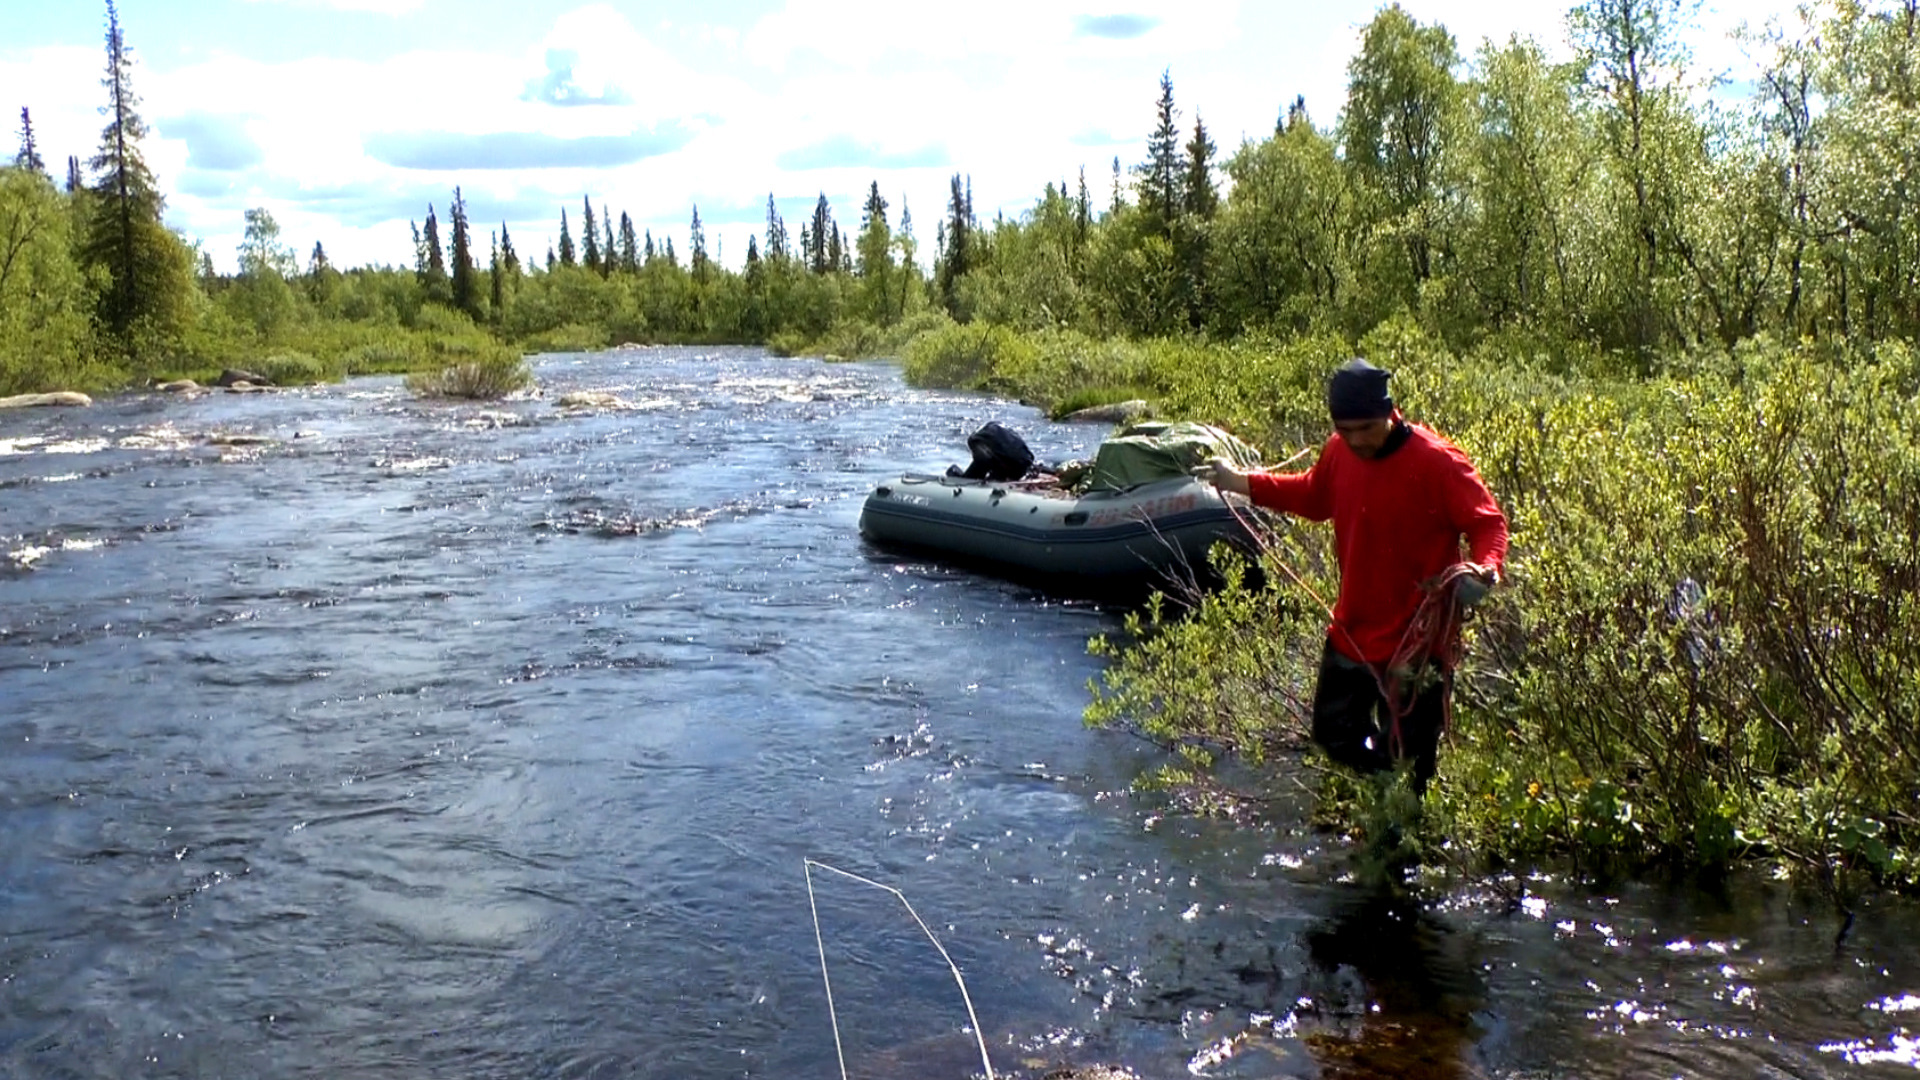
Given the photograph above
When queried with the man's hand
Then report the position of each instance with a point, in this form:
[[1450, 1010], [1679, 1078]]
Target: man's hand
[[1221, 474], [1473, 588]]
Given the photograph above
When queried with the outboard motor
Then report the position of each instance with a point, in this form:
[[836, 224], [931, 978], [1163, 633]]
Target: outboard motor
[[999, 453]]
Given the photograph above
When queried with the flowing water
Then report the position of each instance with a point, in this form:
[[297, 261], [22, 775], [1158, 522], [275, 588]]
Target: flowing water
[[457, 741]]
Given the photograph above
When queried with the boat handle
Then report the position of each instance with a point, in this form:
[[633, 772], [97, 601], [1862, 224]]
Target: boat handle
[[883, 491], [1078, 517]]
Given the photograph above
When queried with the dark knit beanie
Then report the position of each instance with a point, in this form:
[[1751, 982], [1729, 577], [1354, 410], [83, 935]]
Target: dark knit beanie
[[1359, 392]]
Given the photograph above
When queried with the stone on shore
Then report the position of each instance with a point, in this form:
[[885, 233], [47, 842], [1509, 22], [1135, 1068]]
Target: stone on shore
[[58, 397], [234, 376], [1119, 412], [177, 386]]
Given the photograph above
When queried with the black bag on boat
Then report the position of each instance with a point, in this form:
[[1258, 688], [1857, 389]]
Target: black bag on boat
[[999, 453]]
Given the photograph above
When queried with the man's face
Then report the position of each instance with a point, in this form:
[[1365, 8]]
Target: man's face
[[1364, 437]]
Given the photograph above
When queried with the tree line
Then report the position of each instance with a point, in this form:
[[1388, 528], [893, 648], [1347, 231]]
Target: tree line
[[1612, 209]]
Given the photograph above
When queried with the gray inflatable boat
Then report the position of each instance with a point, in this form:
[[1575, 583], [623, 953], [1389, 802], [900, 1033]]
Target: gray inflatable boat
[[1146, 535]]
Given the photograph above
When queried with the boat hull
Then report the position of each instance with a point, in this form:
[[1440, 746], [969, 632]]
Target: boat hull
[[1150, 534]]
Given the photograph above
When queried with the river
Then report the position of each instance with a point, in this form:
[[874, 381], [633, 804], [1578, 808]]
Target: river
[[428, 740]]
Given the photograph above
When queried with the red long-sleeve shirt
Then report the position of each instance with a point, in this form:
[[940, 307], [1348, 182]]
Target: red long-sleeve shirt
[[1397, 521]]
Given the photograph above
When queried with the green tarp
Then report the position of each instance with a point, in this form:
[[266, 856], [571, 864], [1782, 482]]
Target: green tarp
[[1155, 450]]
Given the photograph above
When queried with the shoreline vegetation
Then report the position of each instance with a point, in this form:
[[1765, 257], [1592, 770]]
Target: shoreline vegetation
[[1673, 325]]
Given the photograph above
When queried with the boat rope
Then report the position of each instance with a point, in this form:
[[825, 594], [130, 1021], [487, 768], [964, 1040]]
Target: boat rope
[[832, 1015]]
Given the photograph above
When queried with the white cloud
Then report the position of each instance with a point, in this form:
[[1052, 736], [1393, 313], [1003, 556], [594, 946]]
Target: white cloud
[[60, 85], [870, 33], [377, 7]]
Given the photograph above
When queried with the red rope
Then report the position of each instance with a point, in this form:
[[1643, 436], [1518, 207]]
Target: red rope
[[1432, 634]]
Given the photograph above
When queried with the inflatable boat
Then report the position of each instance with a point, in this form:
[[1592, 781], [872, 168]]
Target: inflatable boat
[[1107, 540]]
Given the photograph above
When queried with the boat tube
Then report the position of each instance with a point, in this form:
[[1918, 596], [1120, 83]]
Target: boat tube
[[1105, 540]]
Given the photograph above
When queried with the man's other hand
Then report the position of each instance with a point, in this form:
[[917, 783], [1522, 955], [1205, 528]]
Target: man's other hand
[[1221, 474]]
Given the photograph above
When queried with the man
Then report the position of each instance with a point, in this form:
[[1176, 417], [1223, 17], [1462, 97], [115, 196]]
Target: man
[[1401, 498]]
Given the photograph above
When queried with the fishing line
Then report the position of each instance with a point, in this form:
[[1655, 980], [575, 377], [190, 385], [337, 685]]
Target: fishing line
[[832, 1015]]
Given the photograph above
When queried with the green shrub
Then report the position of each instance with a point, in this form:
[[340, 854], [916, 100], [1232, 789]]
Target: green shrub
[[384, 357], [485, 378], [964, 356], [297, 369], [569, 338]]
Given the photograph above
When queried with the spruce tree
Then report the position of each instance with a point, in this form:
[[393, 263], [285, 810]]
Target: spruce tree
[[629, 245], [697, 249], [74, 181], [647, 254], [147, 272], [1200, 198], [957, 258], [589, 237], [466, 288], [321, 276], [496, 278], [566, 242], [508, 258], [607, 249], [1297, 113], [822, 238], [777, 252], [29, 156], [433, 280], [875, 263], [672, 259], [1082, 211], [1160, 176]]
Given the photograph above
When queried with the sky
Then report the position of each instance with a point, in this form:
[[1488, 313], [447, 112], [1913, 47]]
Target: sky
[[347, 119]]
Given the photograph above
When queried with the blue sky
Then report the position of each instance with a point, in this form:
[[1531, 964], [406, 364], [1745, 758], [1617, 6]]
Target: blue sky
[[346, 118]]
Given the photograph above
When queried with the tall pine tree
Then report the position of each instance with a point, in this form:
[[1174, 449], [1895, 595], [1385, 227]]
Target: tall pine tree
[[496, 278], [433, 276], [509, 259], [1161, 175], [820, 256], [629, 245], [875, 257], [1199, 197], [145, 300], [466, 287], [697, 249], [957, 259], [566, 242], [777, 252], [29, 156], [589, 236]]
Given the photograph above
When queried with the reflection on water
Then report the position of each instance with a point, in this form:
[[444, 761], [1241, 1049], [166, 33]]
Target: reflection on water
[[346, 734], [1402, 995]]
